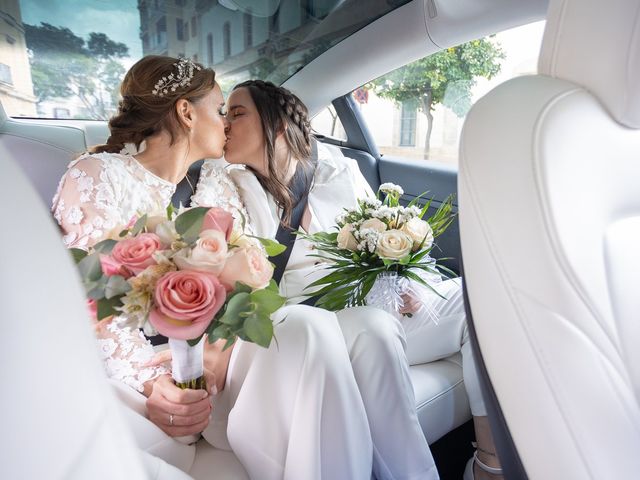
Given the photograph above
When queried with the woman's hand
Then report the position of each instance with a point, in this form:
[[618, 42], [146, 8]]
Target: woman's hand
[[411, 304], [216, 363], [176, 411]]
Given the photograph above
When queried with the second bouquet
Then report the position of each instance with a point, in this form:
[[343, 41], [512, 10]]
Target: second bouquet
[[188, 276]]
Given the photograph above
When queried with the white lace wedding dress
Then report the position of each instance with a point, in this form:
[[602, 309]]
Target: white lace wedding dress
[[287, 412]]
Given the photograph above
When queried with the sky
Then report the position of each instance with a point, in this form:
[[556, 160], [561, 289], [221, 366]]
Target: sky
[[118, 19]]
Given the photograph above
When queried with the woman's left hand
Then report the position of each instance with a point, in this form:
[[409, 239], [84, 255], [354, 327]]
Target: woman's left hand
[[411, 304]]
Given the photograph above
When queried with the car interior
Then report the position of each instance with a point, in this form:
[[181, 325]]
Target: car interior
[[549, 267]]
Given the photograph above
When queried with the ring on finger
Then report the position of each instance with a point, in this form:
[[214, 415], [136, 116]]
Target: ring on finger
[[171, 419]]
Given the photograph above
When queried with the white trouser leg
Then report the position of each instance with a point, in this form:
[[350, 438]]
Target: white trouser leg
[[297, 412], [377, 350], [427, 342]]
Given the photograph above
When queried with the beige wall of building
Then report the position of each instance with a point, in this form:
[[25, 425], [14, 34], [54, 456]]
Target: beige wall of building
[[16, 87]]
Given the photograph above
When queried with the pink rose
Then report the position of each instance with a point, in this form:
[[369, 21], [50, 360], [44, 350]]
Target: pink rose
[[247, 265], [185, 303], [136, 253], [209, 254], [110, 267], [218, 219], [92, 305]]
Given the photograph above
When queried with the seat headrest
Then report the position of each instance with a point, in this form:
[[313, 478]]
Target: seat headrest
[[596, 44]]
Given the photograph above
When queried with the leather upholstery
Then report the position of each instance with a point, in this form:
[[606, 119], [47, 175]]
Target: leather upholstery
[[55, 390], [550, 223]]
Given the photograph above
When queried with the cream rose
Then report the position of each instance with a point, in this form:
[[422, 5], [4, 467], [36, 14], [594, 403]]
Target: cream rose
[[374, 224], [166, 231], [346, 239], [239, 239], [419, 230], [393, 244], [209, 254], [247, 265]]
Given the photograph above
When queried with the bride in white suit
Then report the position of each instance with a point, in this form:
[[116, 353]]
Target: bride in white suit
[[289, 181]]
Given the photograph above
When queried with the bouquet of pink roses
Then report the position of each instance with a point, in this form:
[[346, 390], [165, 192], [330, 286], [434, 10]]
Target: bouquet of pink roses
[[186, 276]]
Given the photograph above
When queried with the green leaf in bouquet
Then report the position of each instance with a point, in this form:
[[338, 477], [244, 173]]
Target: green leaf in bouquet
[[107, 306], [90, 268], [425, 208], [417, 278], [170, 210], [105, 246], [417, 199], [267, 301], [95, 289], [241, 287], [123, 233], [238, 304], [272, 247], [273, 286], [188, 224], [259, 329], [139, 225], [116, 285], [78, 254], [194, 341]]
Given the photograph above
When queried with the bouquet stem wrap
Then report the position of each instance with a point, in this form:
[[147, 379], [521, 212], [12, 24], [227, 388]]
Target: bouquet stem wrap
[[187, 363], [386, 294]]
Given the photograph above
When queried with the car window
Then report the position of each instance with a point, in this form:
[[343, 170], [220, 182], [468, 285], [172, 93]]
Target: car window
[[327, 123], [417, 111], [64, 59]]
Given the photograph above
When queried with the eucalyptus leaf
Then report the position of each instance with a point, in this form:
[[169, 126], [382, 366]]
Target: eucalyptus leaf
[[90, 268], [267, 301], [170, 210], [106, 307], [272, 247], [78, 254], [139, 225], [105, 246], [259, 329], [194, 341], [189, 223], [116, 285], [238, 304]]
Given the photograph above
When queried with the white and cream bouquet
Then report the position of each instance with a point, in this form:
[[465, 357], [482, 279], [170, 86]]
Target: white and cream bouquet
[[378, 250]]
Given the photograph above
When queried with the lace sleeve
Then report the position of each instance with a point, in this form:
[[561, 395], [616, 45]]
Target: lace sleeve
[[85, 205], [217, 189], [86, 209]]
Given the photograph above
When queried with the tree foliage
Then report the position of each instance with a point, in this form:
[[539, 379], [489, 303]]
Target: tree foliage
[[446, 78], [63, 65]]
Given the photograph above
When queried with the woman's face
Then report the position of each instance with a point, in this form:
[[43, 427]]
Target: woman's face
[[245, 138], [208, 131]]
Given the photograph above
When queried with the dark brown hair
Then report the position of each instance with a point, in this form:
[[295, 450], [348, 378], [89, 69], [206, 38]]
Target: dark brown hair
[[141, 113], [280, 112]]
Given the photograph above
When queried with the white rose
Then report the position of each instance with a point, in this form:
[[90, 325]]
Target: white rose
[[393, 244], [209, 255], [166, 230], [419, 230], [374, 224], [346, 239]]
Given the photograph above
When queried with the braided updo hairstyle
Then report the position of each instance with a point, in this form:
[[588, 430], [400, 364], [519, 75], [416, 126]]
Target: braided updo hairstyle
[[280, 112], [141, 113]]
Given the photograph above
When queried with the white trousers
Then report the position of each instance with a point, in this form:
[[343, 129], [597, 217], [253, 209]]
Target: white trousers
[[381, 351]]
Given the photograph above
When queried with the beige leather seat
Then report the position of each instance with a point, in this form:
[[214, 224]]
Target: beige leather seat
[[550, 223], [59, 418]]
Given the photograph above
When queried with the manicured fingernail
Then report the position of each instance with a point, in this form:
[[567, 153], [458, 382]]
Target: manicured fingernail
[[205, 394], [214, 390]]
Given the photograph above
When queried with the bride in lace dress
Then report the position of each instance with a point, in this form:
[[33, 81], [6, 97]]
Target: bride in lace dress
[[290, 411]]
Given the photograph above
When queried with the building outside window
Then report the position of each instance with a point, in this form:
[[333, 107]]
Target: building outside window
[[247, 21], [180, 29], [210, 49], [408, 114], [161, 31], [5, 74], [226, 39]]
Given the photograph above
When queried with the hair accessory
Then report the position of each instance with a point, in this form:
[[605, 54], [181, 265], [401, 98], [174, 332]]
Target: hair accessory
[[172, 82]]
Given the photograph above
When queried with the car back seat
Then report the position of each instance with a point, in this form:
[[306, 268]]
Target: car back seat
[[44, 149]]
